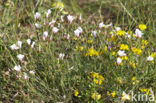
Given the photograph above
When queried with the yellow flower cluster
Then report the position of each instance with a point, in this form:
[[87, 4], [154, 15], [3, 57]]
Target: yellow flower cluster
[[147, 91], [58, 5], [134, 80], [132, 64], [96, 96], [92, 52], [137, 51], [124, 58], [153, 54], [76, 93], [142, 27], [144, 43], [79, 48], [120, 32], [124, 47], [98, 79], [113, 94]]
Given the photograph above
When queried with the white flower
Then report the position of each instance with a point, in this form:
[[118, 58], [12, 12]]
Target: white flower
[[28, 41], [150, 58], [52, 22], [125, 96], [17, 68], [55, 30], [77, 32], [48, 13], [45, 35], [61, 55], [94, 33], [37, 15], [25, 76], [80, 29], [19, 43], [138, 33], [32, 45], [32, 72], [37, 26], [119, 60], [121, 53], [117, 28], [70, 18], [14, 47], [101, 25], [20, 57]]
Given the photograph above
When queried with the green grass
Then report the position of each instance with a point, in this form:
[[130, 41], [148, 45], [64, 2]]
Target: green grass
[[56, 78]]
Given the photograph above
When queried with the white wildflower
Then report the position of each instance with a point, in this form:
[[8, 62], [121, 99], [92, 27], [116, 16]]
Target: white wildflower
[[37, 26], [55, 30], [121, 53], [20, 57], [48, 13], [119, 60], [101, 25], [37, 15], [150, 58], [117, 28], [19, 43], [32, 45], [32, 72], [45, 35], [61, 55], [29, 41], [14, 47], [138, 33], [70, 18], [17, 68]]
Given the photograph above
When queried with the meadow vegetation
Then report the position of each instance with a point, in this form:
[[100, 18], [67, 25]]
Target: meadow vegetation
[[76, 51]]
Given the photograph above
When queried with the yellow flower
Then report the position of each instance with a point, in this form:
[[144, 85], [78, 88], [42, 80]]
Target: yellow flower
[[133, 78], [144, 42], [113, 53], [124, 47], [92, 52], [76, 93], [81, 48], [105, 49], [98, 79], [120, 32], [124, 58], [153, 54], [148, 91], [96, 96], [142, 27], [113, 94], [137, 51], [95, 81], [89, 41], [108, 93], [58, 5]]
